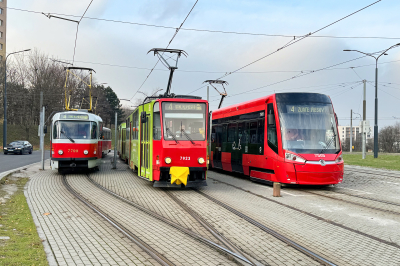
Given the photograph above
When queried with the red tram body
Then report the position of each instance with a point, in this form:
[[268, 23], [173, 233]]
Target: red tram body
[[76, 140], [285, 137]]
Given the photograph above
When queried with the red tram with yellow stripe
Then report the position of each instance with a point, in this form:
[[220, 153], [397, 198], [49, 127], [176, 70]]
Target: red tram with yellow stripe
[[285, 137], [78, 140]]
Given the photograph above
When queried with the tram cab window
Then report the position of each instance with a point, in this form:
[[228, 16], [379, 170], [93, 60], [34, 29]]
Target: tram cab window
[[156, 121], [184, 121], [65, 129], [271, 130]]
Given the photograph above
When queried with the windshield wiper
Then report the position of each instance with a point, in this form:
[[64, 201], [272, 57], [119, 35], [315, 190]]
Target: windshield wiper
[[333, 138], [68, 137], [187, 136], [172, 135]]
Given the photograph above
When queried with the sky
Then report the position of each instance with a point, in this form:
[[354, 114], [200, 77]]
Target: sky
[[118, 51]]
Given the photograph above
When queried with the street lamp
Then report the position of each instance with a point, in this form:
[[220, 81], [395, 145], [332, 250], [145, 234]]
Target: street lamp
[[376, 147], [5, 97]]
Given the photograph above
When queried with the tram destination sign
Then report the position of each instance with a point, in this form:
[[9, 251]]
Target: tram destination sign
[[308, 109], [184, 106], [74, 116]]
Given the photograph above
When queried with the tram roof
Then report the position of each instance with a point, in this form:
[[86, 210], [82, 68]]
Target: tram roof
[[91, 116], [259, 103]]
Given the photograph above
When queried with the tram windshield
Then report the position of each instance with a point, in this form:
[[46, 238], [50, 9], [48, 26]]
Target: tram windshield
[[184, 121], [74, 130], [308, 127]]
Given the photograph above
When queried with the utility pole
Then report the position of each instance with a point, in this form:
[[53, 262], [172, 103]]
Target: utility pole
[[115, 141], [209, 129], [42, 115], [363, 127], [351, 130]]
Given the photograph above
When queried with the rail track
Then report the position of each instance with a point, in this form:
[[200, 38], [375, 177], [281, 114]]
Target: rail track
[[311, 215], [229, 250], [356, 203], [373, 172], [145, 247], [270, 231]]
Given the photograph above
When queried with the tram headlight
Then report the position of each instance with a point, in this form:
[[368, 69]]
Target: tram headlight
[[201, 160], [168, 160], [293, 157], [60, 152], [339, 159], [85, 152]]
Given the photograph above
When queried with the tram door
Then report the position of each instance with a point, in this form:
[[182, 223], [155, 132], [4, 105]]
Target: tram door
[[238, 148], [145, 145]]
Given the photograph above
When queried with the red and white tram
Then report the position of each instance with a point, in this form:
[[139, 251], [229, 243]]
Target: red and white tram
[[76, 140], [285, 137]]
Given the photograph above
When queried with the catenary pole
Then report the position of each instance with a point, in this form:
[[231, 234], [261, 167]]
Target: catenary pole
[[364, 133], [42, 135], [351, 130], [115, 142]]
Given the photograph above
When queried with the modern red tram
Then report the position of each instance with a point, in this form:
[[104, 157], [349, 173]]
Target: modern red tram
[[285, 137], [76, 140]]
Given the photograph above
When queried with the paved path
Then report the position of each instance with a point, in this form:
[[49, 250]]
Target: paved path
[[12, 161]]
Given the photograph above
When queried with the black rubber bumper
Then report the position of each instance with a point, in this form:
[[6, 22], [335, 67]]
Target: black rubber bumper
[[74, 159], [196, 183]]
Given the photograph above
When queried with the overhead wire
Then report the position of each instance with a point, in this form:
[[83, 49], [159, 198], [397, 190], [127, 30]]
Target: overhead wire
[[211, 31], [77, 29], [298, 40], [169, 43]]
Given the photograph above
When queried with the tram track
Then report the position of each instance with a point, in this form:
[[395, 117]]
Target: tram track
[[229, 250], [356, 203], [373, 172], [211, 229], [380, 240], [135, 239], [270, 231]]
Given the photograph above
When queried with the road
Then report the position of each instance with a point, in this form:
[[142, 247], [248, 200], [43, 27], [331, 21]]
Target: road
[[12, 161]]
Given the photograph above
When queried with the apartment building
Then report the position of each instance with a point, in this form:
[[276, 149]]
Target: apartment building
[[344, 133]]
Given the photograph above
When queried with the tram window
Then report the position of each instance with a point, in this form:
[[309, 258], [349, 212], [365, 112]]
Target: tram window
[[271, 131], [231, 132], [241, 133], [94, 130], [224, 133], [260, 131], [156, 122], [253, 132]]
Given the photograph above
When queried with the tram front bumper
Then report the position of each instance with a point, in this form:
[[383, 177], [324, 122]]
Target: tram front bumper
[[179, 175]]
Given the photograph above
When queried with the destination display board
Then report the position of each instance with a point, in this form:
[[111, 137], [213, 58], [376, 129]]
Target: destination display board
[[74, 116], [184, 106], [308, 109]]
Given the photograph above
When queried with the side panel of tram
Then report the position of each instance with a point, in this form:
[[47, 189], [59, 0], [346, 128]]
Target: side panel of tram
[[159, 156], [258, 139]]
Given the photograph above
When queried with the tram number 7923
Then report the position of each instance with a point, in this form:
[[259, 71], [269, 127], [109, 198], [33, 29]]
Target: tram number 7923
[[72, 150], [183, 158]]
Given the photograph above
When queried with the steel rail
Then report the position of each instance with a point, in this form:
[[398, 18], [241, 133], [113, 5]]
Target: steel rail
[[390, 243], [268, 230], [172, 223], [145, 247], [381, 173], [356, 203], [211, 229]]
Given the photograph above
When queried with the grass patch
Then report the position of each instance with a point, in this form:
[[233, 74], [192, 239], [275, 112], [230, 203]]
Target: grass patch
[[385, 161], [24, 246]]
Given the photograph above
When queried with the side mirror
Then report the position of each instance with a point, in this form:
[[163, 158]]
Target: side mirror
[[271, 119], [45, 129], [143, 117]]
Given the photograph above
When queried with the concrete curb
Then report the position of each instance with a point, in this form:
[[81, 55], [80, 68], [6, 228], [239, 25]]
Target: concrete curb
[[6, 173], [46, 246]]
